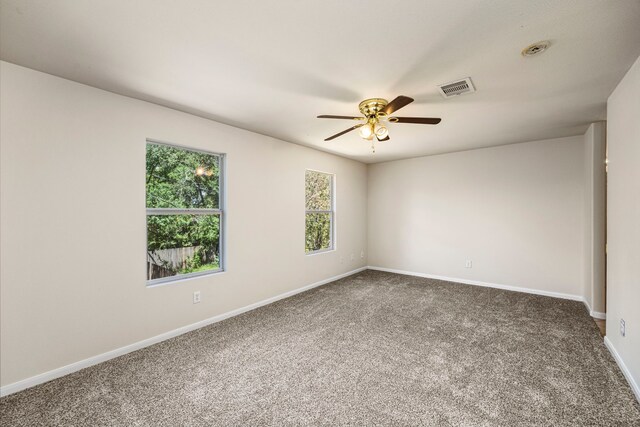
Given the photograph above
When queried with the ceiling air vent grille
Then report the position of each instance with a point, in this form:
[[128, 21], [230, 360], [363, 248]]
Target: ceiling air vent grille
[[457, 87]]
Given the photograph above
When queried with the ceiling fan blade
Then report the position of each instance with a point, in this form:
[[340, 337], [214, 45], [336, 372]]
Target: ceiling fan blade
[[386, 138], [396, 104], [328, 116], [344, 131], [417, 120]]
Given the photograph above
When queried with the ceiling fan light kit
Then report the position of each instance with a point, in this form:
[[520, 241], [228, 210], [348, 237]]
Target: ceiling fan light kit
[[377, 111]]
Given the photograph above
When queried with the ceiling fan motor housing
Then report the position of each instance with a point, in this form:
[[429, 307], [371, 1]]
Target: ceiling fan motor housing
[[372, 107]]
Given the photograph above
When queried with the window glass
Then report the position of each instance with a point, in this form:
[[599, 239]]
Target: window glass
[[179, 178], [318, 191], [319, 228], [184, 219], [318, 231]]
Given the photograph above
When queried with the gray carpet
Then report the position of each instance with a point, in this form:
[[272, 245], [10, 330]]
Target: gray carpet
[[372, 349]]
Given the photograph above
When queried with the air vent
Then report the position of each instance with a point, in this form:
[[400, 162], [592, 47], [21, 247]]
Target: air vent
[[456, 88]]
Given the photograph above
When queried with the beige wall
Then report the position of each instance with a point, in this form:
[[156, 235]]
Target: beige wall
[[623, 220], [73, 221], [515, 211], [595, 217]]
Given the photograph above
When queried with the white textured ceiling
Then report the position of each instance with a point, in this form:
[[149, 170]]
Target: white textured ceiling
[[273, 66]]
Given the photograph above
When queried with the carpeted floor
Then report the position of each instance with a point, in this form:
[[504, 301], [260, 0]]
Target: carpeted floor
[[372, 349]]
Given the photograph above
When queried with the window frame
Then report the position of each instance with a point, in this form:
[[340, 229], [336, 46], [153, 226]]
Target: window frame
[[190, 211], [332, 214]]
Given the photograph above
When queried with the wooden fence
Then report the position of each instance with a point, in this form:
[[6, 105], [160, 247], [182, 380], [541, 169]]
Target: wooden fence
[[175, 258]]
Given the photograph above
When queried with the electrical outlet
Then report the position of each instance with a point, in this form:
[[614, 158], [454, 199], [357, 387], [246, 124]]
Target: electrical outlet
[[468, 264], [623, 329], [362, 254], [341, 259], [196, 297]]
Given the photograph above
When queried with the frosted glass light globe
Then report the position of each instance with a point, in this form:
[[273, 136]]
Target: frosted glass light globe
[[381, 132], [366, 131]]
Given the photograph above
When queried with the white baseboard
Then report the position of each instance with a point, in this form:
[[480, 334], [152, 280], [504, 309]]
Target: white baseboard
[[623, 368], [594, 314], [485, 284], [76, 366]]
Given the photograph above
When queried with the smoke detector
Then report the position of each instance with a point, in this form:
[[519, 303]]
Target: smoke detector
[[536, 48], [457, 87]]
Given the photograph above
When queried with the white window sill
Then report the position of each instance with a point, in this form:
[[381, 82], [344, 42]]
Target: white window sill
[[320, 251], [182, 278]]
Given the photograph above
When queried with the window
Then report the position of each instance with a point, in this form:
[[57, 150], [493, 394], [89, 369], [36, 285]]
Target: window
[[184, 212], [319, 229]]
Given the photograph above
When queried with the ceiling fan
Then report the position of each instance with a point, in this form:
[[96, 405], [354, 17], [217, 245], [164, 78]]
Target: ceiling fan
[[376, 111]]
